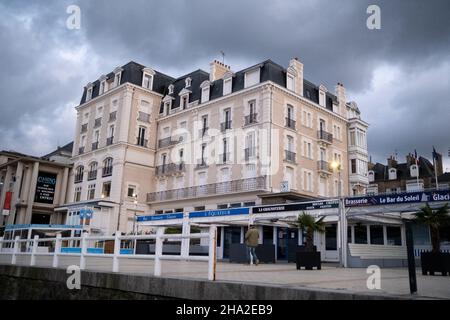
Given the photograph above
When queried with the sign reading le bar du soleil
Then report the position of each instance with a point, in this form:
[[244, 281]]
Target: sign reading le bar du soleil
[[399, 198], [45, 187]]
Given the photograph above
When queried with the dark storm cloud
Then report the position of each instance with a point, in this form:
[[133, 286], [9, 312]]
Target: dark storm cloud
[[329, 37]]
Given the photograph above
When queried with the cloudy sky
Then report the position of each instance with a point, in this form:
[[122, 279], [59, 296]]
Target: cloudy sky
[[399, 75]]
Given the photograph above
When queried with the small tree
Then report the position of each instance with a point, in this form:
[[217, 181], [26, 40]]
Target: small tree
[[308, 224], [435, 219]]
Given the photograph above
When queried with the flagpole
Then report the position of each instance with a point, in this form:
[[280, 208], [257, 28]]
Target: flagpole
[[435, 173], [417, 176]]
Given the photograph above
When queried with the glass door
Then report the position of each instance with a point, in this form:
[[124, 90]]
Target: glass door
[[231, 235]]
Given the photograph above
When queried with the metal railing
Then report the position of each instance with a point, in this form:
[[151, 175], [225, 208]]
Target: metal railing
[[144, 117], [289, 156], [167, 142], [224, 158], [225, 125], [113, 116], [251, 118], [141, 142], [170, 168], [249, 153], [80, 150], [94, 145], [97, 122], [109, 141], [325, 136], [107, 171], [201, 163], [203, 131], [84, 128], [92, 175], [242, 185], [290, 123], [81, 252], [323, 166]]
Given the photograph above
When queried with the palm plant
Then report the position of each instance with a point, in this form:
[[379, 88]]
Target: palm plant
[[435, 219], [308, 224]]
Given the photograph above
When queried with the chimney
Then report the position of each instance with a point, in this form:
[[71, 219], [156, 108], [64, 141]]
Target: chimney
[[342, 99], [298, 67], [409, 159], [217, 70], [392, 162]]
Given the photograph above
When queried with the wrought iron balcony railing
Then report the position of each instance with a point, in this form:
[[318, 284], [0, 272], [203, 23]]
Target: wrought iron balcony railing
[[290, 123], [94, 145], [201, 163], [97, 122], [323, 166], [113, 116], [169, 141], [142, 142], [251, 118], [84, 128], [234, 186], [92, 175], [225, 125], [289, 156], [170, 168], [109, 141], [80, 150], [249, 153], [325, 136]]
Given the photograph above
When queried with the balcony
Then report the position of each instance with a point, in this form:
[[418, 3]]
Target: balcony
[[324, 167], [203, 132], [325, 137], [107, 171], [144, 117], [250, 119], [249, 153], [289, 156], [225, 126], [235, 186], [171, 168], [92, 175], [97, 122], [201, 164], [167, 142], [84, 128], [113, 116], [94, 145], [224, 158], [80, 150], [141, 142], [290, 123], [109, 141], [78, 178]]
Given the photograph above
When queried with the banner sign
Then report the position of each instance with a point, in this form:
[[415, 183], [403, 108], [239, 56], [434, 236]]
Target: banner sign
[[86, 213], [7, 203], [399, 198], [45, 187], [157, 217], [314, 205], [218, 213]]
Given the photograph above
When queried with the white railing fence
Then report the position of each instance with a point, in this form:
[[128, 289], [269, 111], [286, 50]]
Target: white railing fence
[[94, 246]]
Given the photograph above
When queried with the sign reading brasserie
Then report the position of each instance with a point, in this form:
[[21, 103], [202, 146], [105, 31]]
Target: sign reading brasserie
[[45, 187], [399, 198]]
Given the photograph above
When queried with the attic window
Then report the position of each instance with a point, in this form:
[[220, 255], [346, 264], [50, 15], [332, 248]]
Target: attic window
[[251, 78], [184, 101], [147, 81], [89, 93], [392, 174], [371, 176], [290, 82], [188, 82], [227, 86], [117, 79], [103, 86], [171, 89], [308, 94]]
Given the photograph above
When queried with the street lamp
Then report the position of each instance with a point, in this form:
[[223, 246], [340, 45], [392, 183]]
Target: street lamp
[[135, 212], [336, 166]]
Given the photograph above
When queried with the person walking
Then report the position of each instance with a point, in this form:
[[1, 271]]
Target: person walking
[[251, 240]]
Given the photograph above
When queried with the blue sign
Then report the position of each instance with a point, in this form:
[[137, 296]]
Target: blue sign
[[398, 198], [158, 217], [218, 213], [42, 226], [86, 213]]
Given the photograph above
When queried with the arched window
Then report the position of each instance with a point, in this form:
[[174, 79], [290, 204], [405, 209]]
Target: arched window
[[392, 174], [79, 171], [371, 176], [92, 174], [107, 167]]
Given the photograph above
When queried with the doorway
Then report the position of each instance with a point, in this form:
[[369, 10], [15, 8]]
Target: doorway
[[287, 241], [231, 235], [330, 245]]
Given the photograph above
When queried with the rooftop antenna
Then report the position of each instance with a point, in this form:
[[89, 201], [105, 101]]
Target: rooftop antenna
[[223, 56]]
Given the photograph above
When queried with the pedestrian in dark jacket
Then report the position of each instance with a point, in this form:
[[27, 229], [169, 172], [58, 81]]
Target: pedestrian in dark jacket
[[251, 240]]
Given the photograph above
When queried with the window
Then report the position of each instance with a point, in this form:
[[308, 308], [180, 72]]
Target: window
[[89, 93], [353, 165], [203, 159], [92, 175], [147, 81], [106, 189], [204, 124], [307, 181], [250, 145], [371, 176], [392, 174], [184, 102], [117, 79], [290, 84], [110, 138], [141, 141], [107, 167], [205, 94], [77, 194], [188, 82], [361, 234], [251, 78], [91, 192], [322, 99], [79, 171], [199, 208], [352, 138], [414, 171], [131, 192], [394, 236], [290, 144], [103, 87], [376, 235], [227, 86], [222, 206], [307, 149], [171, 89]]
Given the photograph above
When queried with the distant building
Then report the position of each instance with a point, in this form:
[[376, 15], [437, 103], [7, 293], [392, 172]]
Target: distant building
[[407, 176], [31, 187]]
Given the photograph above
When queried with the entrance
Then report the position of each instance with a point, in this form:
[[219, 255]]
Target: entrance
[[231, 235], [330, 250], [287, 241]]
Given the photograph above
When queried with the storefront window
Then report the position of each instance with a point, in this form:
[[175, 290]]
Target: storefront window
[[361, 234], [376, 235], [394, 236], [421, 235], [267, 235]]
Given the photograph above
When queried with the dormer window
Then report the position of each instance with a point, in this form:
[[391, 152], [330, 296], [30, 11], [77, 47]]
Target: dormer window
[[205, 91], [414, 170], [147, 78], [322, 95], [290, 78], [103, 85], [171, 89], [392, 174], [227, 86], [371, 176], [184, 102], [188, 82], [251, 77], [89, 89], [117, 76]]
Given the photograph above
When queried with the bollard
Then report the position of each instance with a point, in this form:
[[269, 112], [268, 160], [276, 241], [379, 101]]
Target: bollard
[[158, 251], [33, 250], [57, 250]]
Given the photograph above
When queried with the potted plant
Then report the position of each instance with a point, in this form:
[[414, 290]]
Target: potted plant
[[435, 260], [308, 256]]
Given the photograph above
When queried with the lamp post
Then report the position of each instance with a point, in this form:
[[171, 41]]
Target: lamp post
[[336, 166], [135, 212]]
